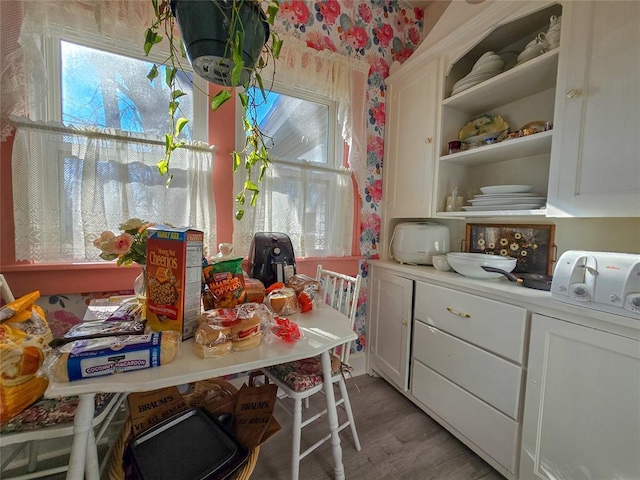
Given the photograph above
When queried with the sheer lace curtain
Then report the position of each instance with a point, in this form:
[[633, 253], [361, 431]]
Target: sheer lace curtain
[[340, 78], [119, 23], [71, 184], [344, 81]]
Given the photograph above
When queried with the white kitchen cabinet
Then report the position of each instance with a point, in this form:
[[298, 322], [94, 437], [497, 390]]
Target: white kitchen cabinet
[[582, 408], [412, 103], [521, 94], [389, 329], [467, 368], [595, 158]]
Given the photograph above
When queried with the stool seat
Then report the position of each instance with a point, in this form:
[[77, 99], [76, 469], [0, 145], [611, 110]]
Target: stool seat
[[306, 373]]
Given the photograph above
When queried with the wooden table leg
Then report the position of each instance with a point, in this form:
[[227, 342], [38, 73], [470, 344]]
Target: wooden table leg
[[79, 448], [332, 415]]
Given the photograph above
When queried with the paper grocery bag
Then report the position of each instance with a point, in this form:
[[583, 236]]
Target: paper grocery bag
[[253, 415], [149, 408]]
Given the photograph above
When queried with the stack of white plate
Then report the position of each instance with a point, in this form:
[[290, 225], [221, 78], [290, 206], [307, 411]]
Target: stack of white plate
[[506, 197], [488, 65]]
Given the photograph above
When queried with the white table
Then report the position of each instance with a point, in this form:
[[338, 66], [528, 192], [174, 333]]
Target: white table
[[323, 327]]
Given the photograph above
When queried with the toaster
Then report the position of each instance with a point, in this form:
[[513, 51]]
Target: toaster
[[417, 242], [605, 281]]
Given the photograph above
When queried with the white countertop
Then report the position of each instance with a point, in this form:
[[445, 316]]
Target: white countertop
[[503, 290]]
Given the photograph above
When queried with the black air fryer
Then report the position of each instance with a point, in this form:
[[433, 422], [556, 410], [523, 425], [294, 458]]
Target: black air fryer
[[271, 258]]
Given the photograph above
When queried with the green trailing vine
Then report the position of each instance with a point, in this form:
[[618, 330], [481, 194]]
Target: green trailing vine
[[251, 92]]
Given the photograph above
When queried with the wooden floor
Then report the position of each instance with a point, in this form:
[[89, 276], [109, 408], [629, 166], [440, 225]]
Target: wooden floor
[[399, 441]]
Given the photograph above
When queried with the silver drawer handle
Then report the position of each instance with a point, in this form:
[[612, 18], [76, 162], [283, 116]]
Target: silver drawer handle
[[460, 314]]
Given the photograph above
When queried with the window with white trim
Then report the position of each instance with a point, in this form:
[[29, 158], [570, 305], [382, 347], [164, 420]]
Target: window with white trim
[[307, 193], [98, 168]]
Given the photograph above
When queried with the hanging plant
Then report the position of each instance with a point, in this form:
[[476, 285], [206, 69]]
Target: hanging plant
[[229, 43]]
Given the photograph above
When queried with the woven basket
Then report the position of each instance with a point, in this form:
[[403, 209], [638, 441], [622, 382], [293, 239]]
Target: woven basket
[[199, 393]]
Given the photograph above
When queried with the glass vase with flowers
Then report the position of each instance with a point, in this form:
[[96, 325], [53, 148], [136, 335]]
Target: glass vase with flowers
[[130, 246]]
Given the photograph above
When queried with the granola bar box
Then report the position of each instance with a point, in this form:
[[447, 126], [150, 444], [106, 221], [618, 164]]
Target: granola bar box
[[174, 277]]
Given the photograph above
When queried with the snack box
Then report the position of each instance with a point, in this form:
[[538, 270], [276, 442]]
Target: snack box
[[174, 274]]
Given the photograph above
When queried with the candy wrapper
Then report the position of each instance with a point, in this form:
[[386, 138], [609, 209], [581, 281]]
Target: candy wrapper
[[104, 328]]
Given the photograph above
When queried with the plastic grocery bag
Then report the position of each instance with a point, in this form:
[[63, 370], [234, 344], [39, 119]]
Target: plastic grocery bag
[[24, 338]]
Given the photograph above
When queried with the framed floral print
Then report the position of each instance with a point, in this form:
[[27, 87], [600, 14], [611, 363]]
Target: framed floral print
[[531, 245]]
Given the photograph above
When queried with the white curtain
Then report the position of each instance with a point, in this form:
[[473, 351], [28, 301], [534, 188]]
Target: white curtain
[[312, 205], [71, 184], [313, 231], [116, 23], [337, 77]]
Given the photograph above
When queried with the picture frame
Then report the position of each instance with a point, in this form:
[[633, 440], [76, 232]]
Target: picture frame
[[532, 245]]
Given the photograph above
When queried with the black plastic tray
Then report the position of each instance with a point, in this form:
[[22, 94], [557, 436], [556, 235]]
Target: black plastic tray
[[188, 446]]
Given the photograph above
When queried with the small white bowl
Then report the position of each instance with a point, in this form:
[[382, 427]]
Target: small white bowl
[[440, 263]]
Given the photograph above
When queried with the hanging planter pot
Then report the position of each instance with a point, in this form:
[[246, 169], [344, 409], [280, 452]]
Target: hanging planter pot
[[210, 31]]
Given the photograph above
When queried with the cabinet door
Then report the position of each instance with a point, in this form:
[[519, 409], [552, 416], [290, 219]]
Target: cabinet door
[[582, 406], [389, 330], [595, 167], [410, 136]]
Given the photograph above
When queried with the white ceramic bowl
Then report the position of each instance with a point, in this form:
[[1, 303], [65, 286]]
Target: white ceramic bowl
[[470, 264], [440, 263]]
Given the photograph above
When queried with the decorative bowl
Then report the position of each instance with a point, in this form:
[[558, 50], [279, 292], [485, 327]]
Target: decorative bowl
[[470, 264]]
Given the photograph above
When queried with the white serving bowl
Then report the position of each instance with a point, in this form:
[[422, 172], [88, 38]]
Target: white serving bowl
[[470, 264], [440, 263]]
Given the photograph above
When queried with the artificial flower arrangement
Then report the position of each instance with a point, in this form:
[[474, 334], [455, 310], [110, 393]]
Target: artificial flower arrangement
[[128, 247]]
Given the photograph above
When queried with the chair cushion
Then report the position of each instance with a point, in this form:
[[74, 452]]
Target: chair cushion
[[306, 373], [48, 412]]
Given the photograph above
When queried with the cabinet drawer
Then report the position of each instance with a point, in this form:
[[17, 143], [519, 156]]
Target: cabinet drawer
[[493, 379], [492, 325], [494, 433]]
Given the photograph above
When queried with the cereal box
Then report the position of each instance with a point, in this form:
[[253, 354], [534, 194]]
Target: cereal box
[[174, 276]]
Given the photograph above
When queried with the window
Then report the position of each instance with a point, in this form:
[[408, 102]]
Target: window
[[99, 169], [108, 90], [306, 194]]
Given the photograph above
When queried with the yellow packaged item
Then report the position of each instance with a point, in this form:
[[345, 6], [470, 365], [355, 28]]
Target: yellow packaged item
[[21, 355]]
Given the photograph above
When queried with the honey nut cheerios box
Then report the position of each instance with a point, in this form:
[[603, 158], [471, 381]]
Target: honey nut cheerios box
[[174, 277]]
